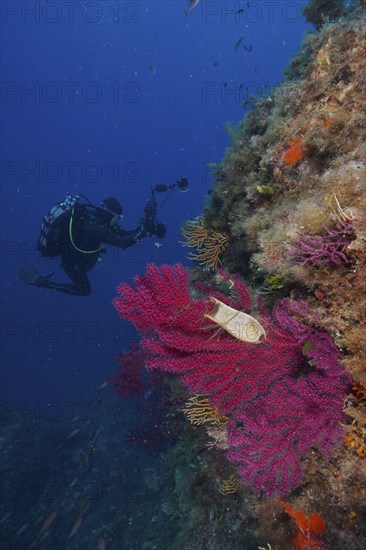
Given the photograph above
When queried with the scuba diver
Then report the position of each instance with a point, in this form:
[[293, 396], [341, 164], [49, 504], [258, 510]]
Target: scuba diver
[[76, 230]]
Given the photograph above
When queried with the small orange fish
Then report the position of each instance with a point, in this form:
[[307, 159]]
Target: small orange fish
[[95, 434], [47, 524], [192, 4], [76, 527], [84, 508], [74, 432]]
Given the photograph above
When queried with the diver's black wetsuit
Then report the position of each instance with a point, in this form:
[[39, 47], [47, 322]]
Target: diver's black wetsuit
[[90, 229]]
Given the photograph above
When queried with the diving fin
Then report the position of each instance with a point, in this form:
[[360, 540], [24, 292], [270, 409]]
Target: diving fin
[[31, 276], [28, 274]]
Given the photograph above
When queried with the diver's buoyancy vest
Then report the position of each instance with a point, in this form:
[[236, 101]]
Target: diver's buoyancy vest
[[56, 221]]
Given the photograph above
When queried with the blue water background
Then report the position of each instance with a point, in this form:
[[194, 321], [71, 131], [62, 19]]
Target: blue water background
[[168, 120]]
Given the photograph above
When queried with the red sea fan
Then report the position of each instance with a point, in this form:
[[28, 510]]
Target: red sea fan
[[129, 379], [283, 396], [161, 299], [327, 249], [178, 336]]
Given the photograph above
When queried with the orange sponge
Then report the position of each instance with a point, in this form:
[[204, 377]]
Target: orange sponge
[[295, 152]]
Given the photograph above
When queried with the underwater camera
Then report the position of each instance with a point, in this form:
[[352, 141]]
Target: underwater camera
[[182, 184], [151, 207]]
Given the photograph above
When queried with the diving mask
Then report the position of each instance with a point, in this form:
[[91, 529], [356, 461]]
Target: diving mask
[[115, 220]]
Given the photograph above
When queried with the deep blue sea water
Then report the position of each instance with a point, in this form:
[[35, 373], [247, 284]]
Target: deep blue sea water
[[111, 98]]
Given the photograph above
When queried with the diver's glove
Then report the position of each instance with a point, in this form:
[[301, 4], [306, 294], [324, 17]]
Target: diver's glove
[[148, 226], [160, 230]]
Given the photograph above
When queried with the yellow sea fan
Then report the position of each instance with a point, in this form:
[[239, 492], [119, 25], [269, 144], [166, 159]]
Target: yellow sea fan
[[209, 244], [229, 486], [200, 411], [195, 233]]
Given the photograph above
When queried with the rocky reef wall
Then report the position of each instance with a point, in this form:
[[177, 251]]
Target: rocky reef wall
[[291, 194]]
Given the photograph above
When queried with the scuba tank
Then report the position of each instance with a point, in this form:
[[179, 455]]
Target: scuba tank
[[49, 244]]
